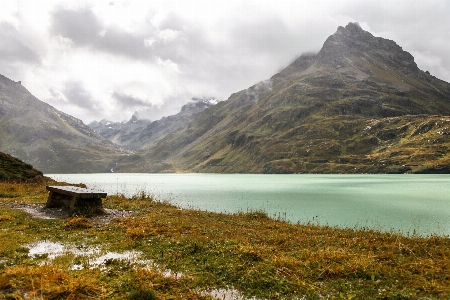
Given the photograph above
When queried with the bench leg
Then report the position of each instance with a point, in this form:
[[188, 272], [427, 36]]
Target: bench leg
[[87, 207], [92, 202], [56, 200]]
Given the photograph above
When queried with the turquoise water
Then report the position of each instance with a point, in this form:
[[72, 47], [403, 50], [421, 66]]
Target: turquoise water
[[410, 204]]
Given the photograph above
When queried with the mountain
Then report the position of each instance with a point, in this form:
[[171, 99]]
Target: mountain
[[138, 134], [13, 169], [359, 105], [50, 140]]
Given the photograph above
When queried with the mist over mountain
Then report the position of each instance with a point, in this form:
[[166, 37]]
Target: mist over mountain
[[50, 140], [359, 105]]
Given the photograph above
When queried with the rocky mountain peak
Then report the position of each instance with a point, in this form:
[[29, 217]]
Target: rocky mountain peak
[[353, 29], [349, 44], [134, 118]]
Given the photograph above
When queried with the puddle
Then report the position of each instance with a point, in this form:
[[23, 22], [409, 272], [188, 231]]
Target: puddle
[[227, 294], [48, 249], [95, 257], [131, 257], [52, 250]]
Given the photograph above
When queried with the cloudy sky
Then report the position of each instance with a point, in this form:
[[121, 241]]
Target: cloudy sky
[[109, 59]]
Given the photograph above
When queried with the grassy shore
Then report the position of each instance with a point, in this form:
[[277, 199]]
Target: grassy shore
[[163, 252]]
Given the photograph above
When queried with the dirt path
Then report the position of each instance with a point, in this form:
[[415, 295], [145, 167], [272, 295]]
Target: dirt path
[[42, 212]]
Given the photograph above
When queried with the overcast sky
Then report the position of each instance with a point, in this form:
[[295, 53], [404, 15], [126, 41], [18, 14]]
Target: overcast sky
[[109, 59]]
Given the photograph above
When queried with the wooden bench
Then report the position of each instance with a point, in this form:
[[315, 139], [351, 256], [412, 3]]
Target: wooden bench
[[73, 198]]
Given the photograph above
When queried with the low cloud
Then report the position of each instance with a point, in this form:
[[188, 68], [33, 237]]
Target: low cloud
[[146, 110], [77, 95], [81, 26], [170, 106], [128, 101]]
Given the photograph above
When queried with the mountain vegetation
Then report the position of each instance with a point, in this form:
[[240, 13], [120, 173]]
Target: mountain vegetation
[[359, 105], [50, 140], [13, 169]]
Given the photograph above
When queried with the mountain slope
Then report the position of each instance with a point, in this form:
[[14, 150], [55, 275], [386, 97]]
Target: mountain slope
[[13, 169], [50, 140], [359, 105]]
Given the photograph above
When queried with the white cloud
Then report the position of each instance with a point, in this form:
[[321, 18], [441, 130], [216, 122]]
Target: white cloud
[[9, 13], [162, 37]]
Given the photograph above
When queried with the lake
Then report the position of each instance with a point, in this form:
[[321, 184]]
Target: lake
[[409, 204]]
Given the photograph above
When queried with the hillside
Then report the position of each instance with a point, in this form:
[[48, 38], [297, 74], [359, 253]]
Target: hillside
[[50, 140], [13, 169], [359, 105]]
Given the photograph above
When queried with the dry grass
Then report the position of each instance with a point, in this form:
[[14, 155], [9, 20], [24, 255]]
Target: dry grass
[[49, 282], [250, 252], [32, 193], [78, 222]]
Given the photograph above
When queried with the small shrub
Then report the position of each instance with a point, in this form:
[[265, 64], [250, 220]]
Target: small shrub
[[143, 196], [257, 215], [142, 294]]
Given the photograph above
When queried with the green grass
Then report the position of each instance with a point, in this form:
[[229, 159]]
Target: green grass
[[248, 252]]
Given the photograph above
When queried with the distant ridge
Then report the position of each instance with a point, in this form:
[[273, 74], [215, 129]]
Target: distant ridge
[[141, 134]]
